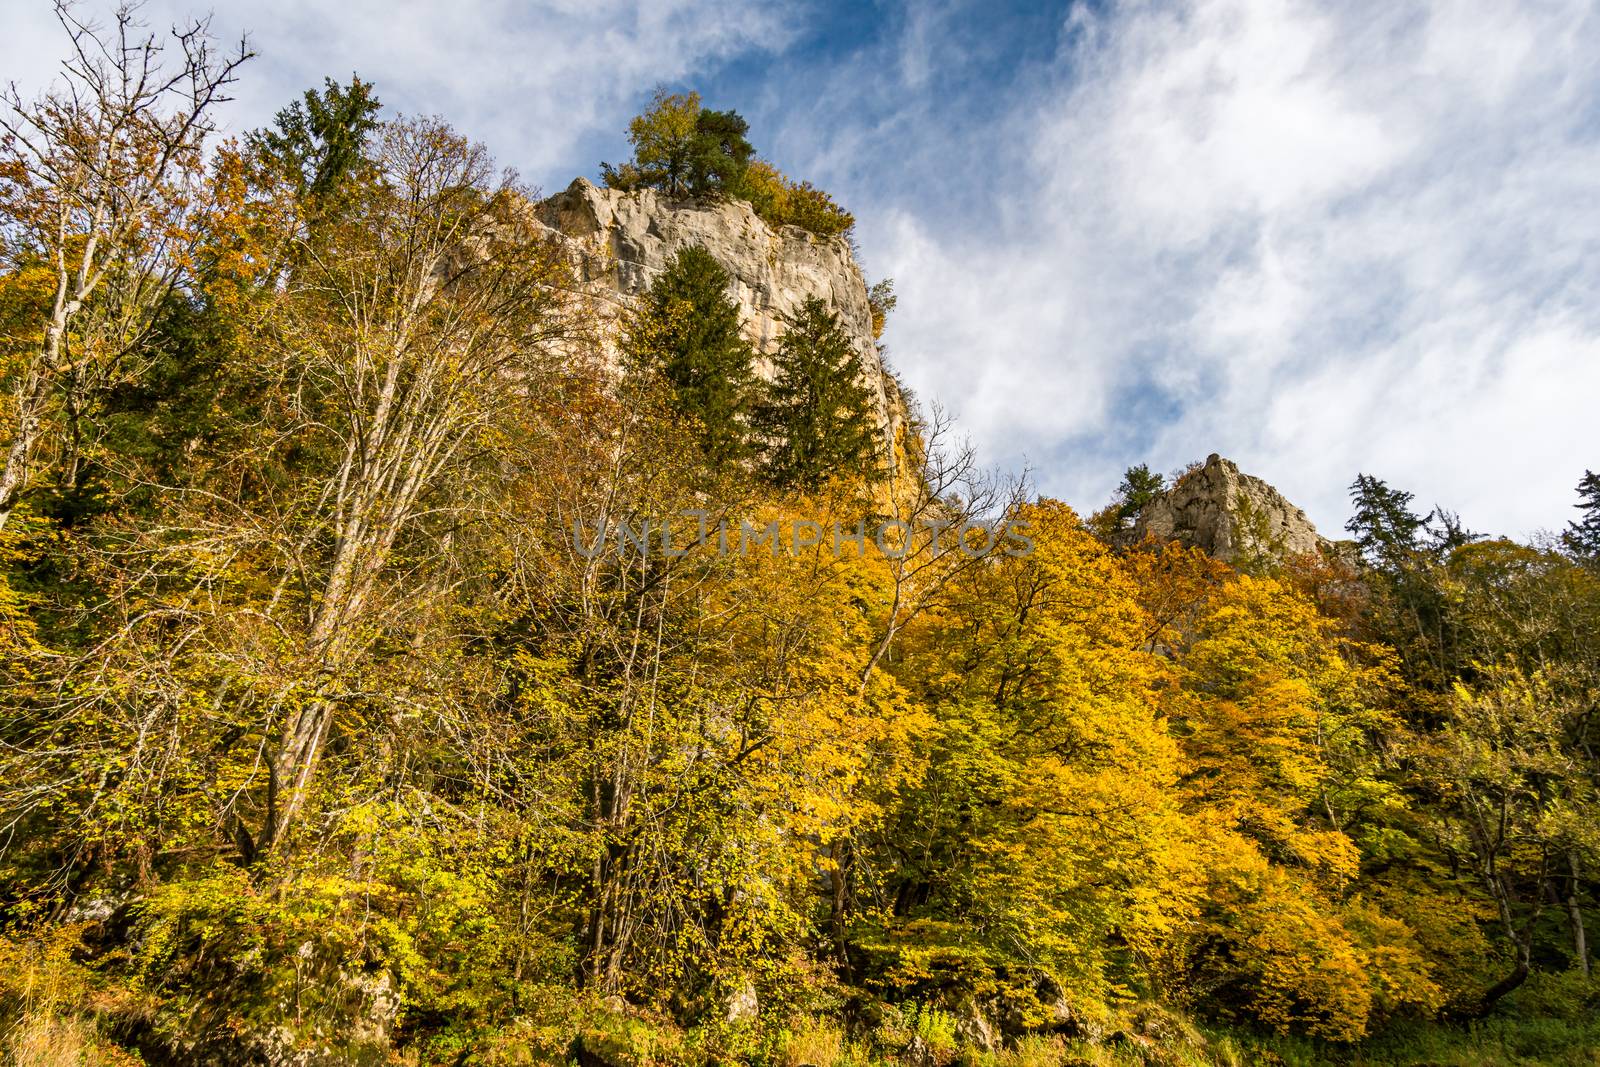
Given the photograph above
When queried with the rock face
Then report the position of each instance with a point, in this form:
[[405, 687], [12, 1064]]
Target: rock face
[[621, 241], [1229, 514]]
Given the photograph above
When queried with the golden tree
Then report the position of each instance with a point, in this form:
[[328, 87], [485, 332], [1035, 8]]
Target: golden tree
[[100, 186]]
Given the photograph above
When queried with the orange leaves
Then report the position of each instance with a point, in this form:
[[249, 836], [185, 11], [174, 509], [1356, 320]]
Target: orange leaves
[[1274, 711]]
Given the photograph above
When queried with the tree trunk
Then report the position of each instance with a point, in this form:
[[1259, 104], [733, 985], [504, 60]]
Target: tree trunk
[[1580, 939], [30, 409]]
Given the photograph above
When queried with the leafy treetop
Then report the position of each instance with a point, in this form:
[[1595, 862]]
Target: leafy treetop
[[682, 148], [319, 143]]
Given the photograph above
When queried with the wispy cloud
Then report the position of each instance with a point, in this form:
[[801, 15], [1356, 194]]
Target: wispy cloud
[[1316, 238], [545, 84], [1320, 238]]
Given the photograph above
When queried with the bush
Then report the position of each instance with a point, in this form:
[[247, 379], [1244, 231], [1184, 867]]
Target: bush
[[815, 1042], [781, 201], [50, 1007]]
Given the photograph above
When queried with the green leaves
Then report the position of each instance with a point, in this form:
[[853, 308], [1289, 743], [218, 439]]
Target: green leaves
[[319, 144], [683, 149], [1582, 536], [687, 331], [817, 416]]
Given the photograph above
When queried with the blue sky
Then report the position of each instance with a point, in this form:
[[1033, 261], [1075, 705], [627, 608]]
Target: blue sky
[[1317, 238]]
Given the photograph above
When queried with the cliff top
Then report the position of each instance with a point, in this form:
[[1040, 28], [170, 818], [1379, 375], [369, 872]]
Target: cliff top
[[1229, 514]]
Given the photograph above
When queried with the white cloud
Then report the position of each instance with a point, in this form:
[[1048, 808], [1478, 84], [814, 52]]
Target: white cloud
[[1320, 239], [535, 81]]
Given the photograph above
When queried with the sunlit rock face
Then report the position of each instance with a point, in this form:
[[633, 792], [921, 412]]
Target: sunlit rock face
[[623, 240], [1229, 514]]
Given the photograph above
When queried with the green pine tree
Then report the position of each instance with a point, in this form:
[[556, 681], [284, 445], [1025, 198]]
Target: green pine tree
[[817, 414], [1405, 553], [687, 330], [319, 144], [1385, 528], [719, 153], [684, 149], [1140, 485], [1582, 537]]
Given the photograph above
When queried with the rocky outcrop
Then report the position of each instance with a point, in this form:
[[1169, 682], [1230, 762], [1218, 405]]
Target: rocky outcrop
[[622, 240], [1231, 515]]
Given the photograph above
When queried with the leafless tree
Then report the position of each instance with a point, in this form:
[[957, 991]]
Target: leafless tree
[[99, 187]]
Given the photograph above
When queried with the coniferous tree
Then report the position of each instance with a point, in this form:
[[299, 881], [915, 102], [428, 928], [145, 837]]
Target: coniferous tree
[[687, 330], [1404, 551], [817, 414], [319, 143], [1385, 528], [683, 149], [1582, 538], [1446, 533], [719, 153], [304, 669], [1140, 485]]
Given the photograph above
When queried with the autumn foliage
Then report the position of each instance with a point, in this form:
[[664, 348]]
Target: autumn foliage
[[322, 730]]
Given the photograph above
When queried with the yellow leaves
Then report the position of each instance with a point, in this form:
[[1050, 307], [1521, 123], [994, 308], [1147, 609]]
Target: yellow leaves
[[784, 202], [1397, 963], [1050, 774], [25, 293], [1084, 766], [1288, 946], [1273, 712], [660, 134]]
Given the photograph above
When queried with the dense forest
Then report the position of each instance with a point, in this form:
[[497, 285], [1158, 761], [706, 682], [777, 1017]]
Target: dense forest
[[404, 664]]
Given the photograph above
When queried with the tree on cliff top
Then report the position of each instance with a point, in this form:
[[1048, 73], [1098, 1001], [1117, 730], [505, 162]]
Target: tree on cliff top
[[683, 149], [1140, 486]]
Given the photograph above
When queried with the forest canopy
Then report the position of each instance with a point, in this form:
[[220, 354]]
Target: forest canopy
[[322, 741]]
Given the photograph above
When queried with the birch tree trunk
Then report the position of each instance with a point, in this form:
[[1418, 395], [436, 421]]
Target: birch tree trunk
[[415, 328], [102, 179]]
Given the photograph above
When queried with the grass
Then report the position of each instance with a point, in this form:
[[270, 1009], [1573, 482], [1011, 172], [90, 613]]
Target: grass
[[55, 1012], [50, 1008]]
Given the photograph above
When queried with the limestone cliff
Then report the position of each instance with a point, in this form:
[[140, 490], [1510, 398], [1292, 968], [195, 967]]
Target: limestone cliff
[[622, 240], [1229, 514]]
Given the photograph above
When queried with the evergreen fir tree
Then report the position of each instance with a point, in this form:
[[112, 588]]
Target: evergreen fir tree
[[1385, 528], [1582, 537], [320, 144], [1140, 485], [687, 330], [719, 152], [684, 149], [817, 414], [1405, 551]]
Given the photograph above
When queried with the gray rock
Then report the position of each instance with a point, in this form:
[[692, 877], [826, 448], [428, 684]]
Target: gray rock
[[620, 241], [974, 1028], [1231, 515], [744, 1005], [918, 1053]]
